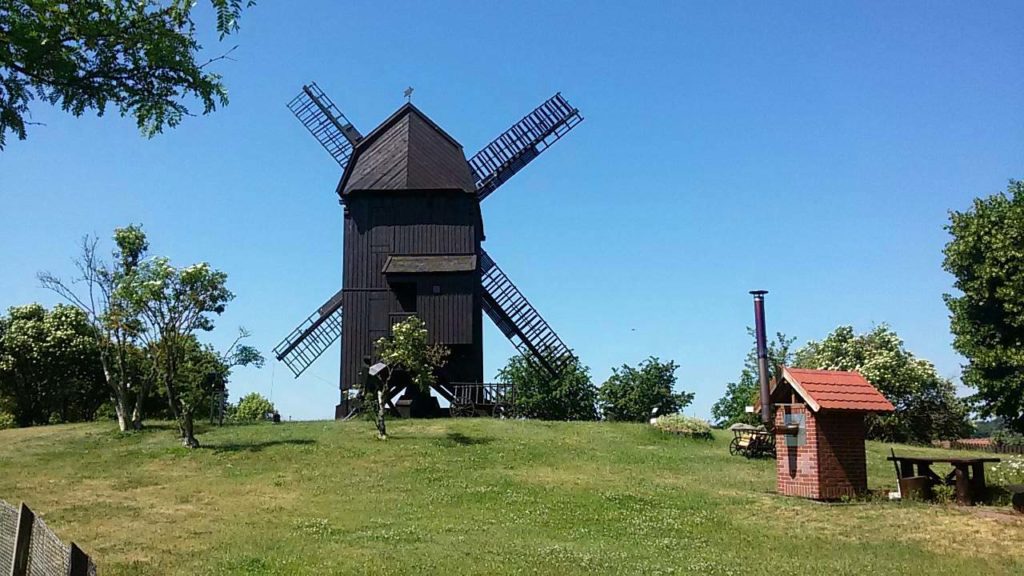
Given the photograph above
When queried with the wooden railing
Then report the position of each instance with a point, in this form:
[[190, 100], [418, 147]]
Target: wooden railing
[[28, 546]]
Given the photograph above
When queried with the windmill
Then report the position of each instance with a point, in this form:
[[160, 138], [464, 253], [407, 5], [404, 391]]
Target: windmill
[[412, 242]]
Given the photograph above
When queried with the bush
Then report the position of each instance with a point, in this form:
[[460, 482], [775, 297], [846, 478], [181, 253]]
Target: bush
[[684, 425], [631, 393], [571, 396], [944, 494], [1009, 471], [105, 412], [253, 408], [7, 421], [1007, 438]]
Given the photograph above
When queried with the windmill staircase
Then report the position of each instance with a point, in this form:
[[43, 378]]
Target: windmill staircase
[[519, 321], [309, 340]]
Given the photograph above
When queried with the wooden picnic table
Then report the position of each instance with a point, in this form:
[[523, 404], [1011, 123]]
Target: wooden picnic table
[[968, 474]]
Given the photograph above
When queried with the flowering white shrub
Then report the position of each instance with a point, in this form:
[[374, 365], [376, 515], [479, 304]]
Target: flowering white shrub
[[685, 425], [1009, 471]]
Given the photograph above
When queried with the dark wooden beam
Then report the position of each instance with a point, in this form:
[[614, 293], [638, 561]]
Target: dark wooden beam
[[78, 562], [22, 541]]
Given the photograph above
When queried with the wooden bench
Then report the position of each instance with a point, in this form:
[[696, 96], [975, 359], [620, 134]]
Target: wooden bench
[[968, 474]]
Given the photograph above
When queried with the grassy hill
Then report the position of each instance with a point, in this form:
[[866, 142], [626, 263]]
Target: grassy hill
[[469, 497]]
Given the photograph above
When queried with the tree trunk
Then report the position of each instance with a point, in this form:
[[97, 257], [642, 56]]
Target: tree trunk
[[188, 438], [137, 417], [117, 395], [122, 414], [382, 432], [140, 398]]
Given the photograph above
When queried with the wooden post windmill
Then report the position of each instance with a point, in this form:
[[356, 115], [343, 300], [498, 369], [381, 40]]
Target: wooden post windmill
[[412, 235]]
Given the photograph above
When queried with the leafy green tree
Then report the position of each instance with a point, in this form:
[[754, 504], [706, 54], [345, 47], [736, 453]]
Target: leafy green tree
[[986, 255], [141, 57], [630, 394], [571, 396], [732, 407], [201, 373], [98, 292], [407, 350], [987, 428], [926, 405], [173, 304], [253, 407], [49, 366]]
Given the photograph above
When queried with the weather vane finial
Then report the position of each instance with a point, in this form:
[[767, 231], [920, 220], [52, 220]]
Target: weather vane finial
[[408, 94]]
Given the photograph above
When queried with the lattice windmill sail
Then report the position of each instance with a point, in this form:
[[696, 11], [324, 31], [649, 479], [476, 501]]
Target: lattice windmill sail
[[519, 145], [338, 136], [419, 252], [325, 122], [519, 321], [311, 338]]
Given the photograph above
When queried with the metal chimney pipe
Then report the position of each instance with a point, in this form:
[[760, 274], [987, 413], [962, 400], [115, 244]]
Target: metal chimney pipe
[[762, 356]]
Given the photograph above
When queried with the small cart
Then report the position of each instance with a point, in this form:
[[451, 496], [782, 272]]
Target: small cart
[[752, 441]]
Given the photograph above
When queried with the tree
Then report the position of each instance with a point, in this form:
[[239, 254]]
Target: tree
[[571, 396], [732, 407], [926, 405], [631, 393], [986, 255], [49, 367], [141, 57], [173, 304], [116, 326], [200, 374], [253, 407], [408, 351]]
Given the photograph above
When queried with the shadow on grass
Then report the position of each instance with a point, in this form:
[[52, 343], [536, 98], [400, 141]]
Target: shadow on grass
[[256, 446], [453, 439]]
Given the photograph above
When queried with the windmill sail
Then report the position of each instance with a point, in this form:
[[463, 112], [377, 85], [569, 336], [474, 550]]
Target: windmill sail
[[325, 122], [521, 143], [520, 321], [309, 340]]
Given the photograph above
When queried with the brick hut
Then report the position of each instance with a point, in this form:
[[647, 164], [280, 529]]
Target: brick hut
[[820, 432]]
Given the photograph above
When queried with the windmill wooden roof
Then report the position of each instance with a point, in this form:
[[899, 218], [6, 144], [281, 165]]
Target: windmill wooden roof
[[408, 151], [836, 390]]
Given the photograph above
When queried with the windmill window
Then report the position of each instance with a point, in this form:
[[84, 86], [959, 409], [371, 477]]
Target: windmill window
[[437, 289], [405, 293]]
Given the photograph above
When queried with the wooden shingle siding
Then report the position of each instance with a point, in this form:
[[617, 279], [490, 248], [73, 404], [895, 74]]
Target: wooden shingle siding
[[430, 263], [409, 152], [449, 314], [429, 223], [382, 164], [434, 162], [355, 341], [408, 191]]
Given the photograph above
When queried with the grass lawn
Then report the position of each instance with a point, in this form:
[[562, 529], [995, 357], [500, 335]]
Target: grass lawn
[[470, 497]]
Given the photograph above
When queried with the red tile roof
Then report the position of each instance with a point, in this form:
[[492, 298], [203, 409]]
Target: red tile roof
[[835, 390]]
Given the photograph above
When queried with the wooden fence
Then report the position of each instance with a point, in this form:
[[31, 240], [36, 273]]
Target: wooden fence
[[29, 548], [994, 448]]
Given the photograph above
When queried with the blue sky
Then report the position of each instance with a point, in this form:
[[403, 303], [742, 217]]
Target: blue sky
[[812, 149]]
